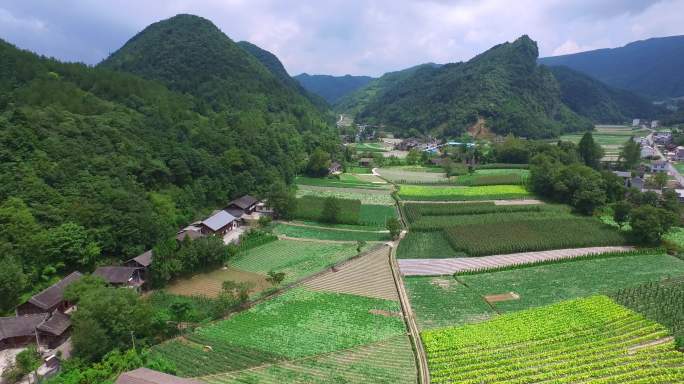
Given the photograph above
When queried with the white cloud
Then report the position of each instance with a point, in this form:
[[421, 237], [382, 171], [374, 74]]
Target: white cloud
[[347, 36]]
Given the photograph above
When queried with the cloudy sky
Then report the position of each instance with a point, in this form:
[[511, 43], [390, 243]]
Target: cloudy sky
[[360, 37]]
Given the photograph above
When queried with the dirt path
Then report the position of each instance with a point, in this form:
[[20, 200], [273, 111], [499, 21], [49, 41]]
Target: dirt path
[[437, 267], [409, 317], [329, 228]]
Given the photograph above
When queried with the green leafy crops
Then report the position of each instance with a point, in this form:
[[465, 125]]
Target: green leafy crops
[[585, 340], [329, 234], [296, 324], [531, 235], [311, 208], [491, 192]]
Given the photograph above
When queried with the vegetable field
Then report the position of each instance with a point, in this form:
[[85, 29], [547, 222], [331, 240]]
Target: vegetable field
[[311, 208], [403, 175], [365, 196], [448, 193], [296, 259], [585, 340], [376, 215], [531, 235], [301, 232], [429, 245], [297, 324], [345, 181]]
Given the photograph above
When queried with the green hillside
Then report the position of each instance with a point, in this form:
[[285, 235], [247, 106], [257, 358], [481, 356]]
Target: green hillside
[[332, 88], [273, 64], [504, 86], [600, 102]]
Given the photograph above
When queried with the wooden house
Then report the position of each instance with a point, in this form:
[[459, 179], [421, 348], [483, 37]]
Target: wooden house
[[130, 277], [54, 331], [19, 331], [148, 376], [335, 168], [219, 223], [50, 299], [245, 203], [142, 262]]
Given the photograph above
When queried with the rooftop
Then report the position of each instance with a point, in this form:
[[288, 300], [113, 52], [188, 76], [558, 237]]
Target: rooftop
[[145, 259], [56, 325], [115, 275], [52, 295], [244, 202], [219, 220], [20, 325]]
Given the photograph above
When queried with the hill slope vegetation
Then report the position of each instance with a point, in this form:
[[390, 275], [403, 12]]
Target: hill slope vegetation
[[650, 67], [504, 86], [332, 88]]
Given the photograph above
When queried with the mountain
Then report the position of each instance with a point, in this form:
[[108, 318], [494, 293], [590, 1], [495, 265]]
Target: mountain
[[332, 88], [599, 102], [273, 64], [650, 67], [189, 54], [130, 159], [502, 90], [355, 101]]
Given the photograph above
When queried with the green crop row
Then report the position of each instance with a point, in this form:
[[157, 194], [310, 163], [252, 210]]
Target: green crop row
[[311, 208], [531, 235], [503, 179], [303, 232], [490, 192]]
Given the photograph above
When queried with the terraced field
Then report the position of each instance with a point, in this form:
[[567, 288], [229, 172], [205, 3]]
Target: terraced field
[[585, 340], [296, 259], [365, 196], [369, 275]]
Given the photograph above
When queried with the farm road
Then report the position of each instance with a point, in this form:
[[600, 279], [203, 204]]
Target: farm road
[[438, 267]]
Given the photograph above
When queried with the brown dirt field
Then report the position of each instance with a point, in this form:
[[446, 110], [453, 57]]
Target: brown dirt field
[[502, 297], [369, 275], [209, 284]]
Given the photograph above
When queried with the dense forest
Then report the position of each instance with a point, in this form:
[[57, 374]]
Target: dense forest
[[332, 88], [504, 86], [98, 164], [650, 67], [598, 101]]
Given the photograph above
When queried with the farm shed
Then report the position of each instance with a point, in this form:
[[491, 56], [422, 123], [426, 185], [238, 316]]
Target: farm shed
[[50, 299], [335, 168], [121, 276], [148, 376], [20, 330], [54, 331], [219, 223], [245, 203]]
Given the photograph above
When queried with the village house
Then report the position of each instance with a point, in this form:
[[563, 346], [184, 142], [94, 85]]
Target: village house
[[408, 144], [679, 153], [648, 152], [658, 166], [192, 232], [662, 138], [148, 376], [19, 331], [130, 277], [54, 331], [50, 299], [247, 204], [335, 168], [142, 262], [219, 224]]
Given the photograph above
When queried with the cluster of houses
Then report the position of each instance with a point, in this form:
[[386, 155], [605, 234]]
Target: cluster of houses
[[645, 123], [44, 319]]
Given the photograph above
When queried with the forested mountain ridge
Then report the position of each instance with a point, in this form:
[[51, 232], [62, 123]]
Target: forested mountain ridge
[[651, 67], [504, 86], [599, 102], [332, 88], [189, 54], [273, 64], [108, 164]]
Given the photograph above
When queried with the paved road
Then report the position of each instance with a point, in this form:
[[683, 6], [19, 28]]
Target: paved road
[[437, 267]]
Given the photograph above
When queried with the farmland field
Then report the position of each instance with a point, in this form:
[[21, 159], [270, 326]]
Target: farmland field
[[370, 147], [303, 232], [365, 196], [436, 193], [433, 245], [345, 181], [490, 179], [209, 284], [536, 286], [296, 259], [676, 235], [585, 340], [376, 215], [413, 175], [297, 324], [389, 361], [531, 235], [311, 208]]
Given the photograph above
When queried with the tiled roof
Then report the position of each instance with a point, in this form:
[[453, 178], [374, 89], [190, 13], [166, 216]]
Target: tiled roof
[[54, 294]]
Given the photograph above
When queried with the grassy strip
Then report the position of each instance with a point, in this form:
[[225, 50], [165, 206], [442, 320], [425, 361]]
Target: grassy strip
[[328, 234]]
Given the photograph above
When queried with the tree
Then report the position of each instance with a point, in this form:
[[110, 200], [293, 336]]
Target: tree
[[649, 223], [12, 283], [275, 278], [108, 319], [70, 244], [319, 163], [331, 210], [660, 180], [590, 152], [359, 245], [394, 227], [631, 154], [282, 200], [413, 157], [621, 211]]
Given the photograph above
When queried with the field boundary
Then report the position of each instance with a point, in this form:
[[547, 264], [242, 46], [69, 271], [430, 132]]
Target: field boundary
[[448, 266], [414, 333]]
